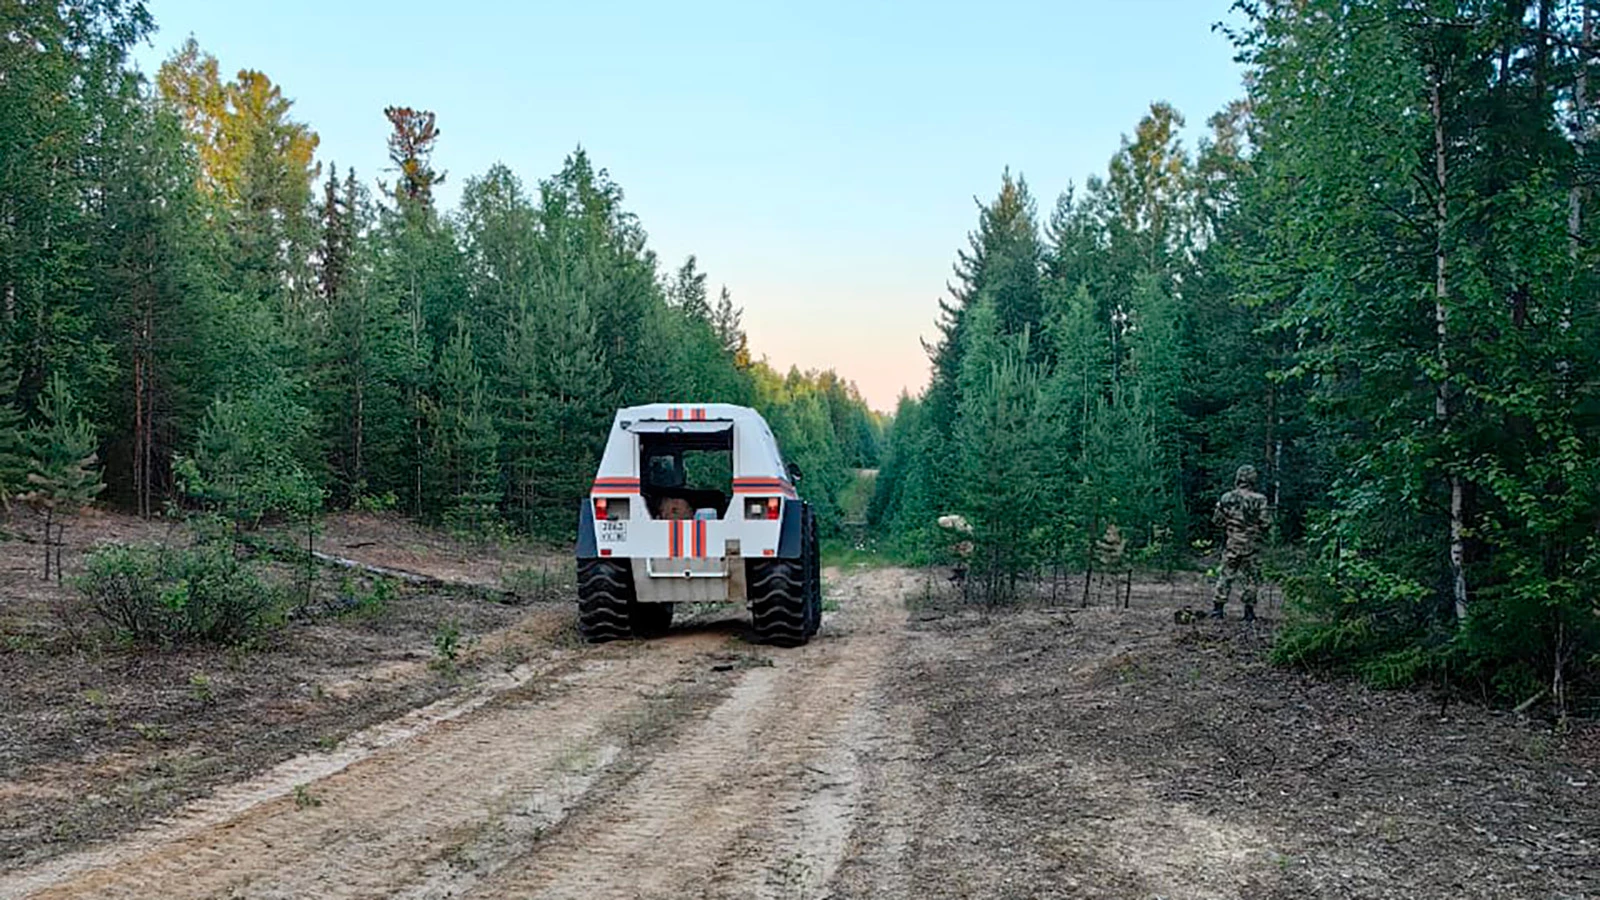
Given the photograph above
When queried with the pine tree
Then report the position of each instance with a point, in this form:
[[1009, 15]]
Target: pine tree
[[501, 248], [1002, 460], [575, 406], [688, 291], [259, 165], [251, 457], [14, 440], [1003, 265], [173, 332], [411, 150], [64, 472], [725, 321], [519, 416], [364, 362], [1156, 377], [465, 445]]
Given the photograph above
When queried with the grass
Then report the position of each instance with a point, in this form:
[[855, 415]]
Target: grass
[[837, 552], [447, 646], [304, 799]]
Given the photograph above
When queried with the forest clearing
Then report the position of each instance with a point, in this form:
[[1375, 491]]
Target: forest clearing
[[1235, 531], [921, 747]]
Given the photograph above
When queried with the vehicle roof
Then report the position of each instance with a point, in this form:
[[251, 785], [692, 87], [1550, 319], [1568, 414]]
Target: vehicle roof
[[755, 447], [689, 411]]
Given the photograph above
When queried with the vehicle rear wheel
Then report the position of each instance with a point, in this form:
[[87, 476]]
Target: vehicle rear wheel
[[605, 593], [813, 576], [778, 607]]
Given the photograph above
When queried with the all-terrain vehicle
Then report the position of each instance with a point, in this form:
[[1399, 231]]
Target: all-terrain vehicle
[[695, 504]]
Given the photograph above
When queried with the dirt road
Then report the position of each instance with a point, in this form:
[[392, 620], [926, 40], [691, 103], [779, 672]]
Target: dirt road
[[695, 765], [938, 753]]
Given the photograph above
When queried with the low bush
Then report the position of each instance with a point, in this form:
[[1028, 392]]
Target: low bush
[[166, 595]]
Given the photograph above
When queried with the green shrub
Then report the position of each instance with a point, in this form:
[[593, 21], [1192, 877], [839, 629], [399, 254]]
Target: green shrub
[[376, 503], [162, 595], [447, 645]]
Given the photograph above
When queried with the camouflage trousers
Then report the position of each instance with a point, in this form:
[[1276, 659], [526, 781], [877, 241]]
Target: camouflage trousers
[[1245, 570]]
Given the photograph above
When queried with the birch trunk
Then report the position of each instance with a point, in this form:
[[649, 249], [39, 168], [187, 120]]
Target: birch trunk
[[1580, 141], [1441, 319]]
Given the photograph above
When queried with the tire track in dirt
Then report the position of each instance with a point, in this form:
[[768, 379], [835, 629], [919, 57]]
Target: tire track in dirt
[[386, 820], [632, 770], [757, 800], [228, 802]]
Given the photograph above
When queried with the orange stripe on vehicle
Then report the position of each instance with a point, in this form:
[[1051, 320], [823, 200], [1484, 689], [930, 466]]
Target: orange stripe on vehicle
[[675, 539], [699, 539], [615, 486], [698, 415], [764, 486]]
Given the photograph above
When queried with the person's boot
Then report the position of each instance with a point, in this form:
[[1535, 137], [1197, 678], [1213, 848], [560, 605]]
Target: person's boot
[[1249, 612], [1216, 611]]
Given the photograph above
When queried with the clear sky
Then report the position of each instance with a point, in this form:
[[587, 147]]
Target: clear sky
[[820, 158]]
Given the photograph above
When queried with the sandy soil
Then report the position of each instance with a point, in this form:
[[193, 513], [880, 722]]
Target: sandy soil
[[97, 738], [694, 765], [918, 748]]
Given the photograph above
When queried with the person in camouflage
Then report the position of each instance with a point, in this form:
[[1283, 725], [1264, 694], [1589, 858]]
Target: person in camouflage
[[1242, 514]]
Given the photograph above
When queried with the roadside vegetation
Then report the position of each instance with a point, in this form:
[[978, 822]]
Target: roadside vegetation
[[1373, 278], [207, 322]]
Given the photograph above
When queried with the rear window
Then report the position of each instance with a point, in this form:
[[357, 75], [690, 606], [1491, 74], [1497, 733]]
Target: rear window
[[695, 467]]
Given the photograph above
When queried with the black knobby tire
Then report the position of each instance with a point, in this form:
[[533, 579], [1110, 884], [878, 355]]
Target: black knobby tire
[[778, 602], [786, 594], [813, 573], [605, 593]]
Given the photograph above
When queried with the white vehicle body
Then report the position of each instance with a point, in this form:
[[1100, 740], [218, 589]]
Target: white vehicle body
[[754, 515]]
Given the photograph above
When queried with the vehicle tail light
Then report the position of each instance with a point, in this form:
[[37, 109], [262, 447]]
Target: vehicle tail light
[[612, 508], [761, 508]]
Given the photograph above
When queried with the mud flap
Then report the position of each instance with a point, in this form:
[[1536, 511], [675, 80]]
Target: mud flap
[[587, 548], [791, 543], [735, 567]]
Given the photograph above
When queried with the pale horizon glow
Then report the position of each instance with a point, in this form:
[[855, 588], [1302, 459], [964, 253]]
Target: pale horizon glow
[[820, 160]]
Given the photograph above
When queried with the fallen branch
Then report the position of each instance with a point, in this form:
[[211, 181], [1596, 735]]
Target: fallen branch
[[382, 571], [1527, 704], [409, 577]]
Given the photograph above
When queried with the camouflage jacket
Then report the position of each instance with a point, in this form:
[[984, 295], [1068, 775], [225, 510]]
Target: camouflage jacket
[[1243, 516]]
